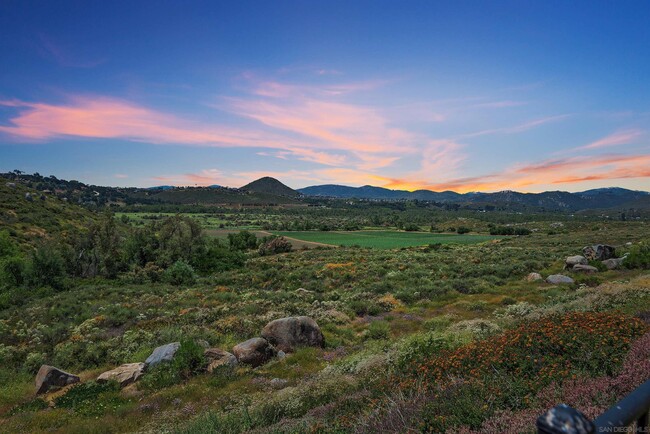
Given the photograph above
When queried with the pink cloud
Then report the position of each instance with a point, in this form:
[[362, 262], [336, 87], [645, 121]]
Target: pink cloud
[[623, 137]]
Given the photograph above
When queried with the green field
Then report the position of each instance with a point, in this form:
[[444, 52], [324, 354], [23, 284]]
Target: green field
[[383, 239]]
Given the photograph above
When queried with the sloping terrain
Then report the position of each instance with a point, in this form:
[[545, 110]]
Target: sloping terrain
[[270, 185], [30, 215]]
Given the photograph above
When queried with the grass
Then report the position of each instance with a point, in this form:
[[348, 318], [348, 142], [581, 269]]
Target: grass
[[384, 239]]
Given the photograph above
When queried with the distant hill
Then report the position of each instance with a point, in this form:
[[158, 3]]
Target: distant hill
[[601, 198], [270, 185], [270, 191]]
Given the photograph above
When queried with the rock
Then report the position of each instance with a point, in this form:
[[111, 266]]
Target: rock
[[534, 277], [217, 358], [579, 268], [628, 244], [164, 353], [613, 263], [125, 374], [303, 291], [599, 252], [575, 260], [278, 383], [281, 355], [49, 376], [254, 352], [557, 279], [203, 344], [289, 333]]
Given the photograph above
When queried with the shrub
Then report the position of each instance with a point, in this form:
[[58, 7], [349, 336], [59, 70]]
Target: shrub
[[378, 330], [180, 273], [274, 246], [638, 257], [242, 241], [46, 268], [463, 230]]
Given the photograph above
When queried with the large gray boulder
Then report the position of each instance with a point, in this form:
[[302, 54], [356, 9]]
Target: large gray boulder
[[164, 353], [613, 263], [254, 352], [287, 334], [558, 279], [572, 261], [124, 374], [588, 269], [49, 376], [217, 358], [599, 252]]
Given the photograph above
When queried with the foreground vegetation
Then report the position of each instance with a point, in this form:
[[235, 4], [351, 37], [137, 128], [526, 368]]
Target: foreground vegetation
[[435, 337]]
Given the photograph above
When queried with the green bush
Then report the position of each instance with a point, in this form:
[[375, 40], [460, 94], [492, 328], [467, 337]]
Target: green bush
[[242, 241], [46, 268], [463, 230], [378, 330], [180, 273], [638, 257]]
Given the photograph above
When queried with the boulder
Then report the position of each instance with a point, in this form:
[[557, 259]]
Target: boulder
[[254, 352], [49, 376], [125, 374], [571, 261], [534, 277], [217, 358], [557, 279], [579, 268], [613, 263], [164, 353], [599, 252], [287, 334]]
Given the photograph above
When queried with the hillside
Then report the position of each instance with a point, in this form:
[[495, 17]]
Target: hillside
[[94, 196], [30, 215], [208, 196], [268, 185]]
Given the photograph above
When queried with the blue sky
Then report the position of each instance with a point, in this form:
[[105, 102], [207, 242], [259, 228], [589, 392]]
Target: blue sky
[[461, 95]]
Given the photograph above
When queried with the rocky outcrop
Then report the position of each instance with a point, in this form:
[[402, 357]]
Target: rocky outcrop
[[287, 334], [613, 263], [125, 374], [599, 252], [588, 269], [254, 352], [534, 277], [572, 261], [558, 279], [164, 353], [49, 376], [218, 358]]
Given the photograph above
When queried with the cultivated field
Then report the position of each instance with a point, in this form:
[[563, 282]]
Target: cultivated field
[[383, 239]]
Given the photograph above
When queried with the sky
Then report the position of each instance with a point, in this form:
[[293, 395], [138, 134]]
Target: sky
[[441, 95]]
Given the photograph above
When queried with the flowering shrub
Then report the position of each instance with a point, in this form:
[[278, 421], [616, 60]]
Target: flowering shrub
[[467, 385], [544, 349]]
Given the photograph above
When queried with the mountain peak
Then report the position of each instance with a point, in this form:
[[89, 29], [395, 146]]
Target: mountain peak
[[270, 185]]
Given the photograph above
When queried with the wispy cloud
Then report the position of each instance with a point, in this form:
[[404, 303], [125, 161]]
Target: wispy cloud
[[556, 171], [622, 137], [516, 128], [121, 175]]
